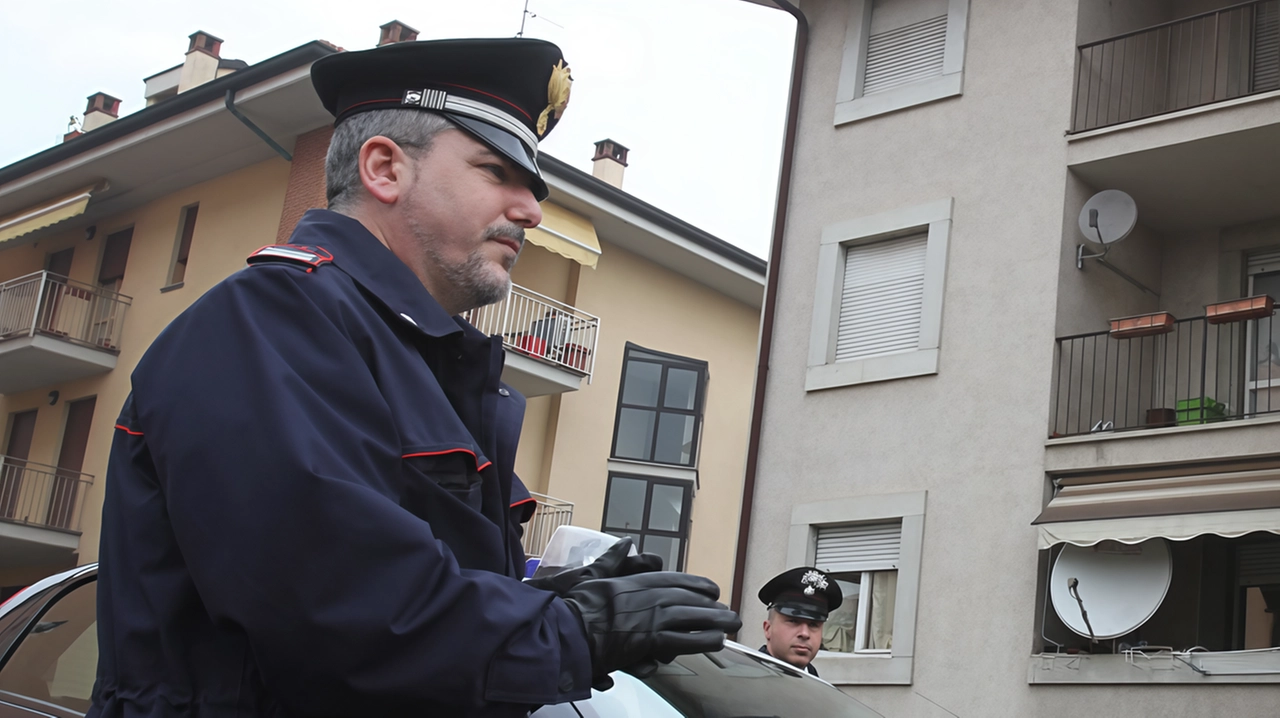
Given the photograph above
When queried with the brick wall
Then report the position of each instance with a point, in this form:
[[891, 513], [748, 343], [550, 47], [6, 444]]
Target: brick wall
[[306, 180]]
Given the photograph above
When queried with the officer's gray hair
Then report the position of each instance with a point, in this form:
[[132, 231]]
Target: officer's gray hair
[[413, 130]]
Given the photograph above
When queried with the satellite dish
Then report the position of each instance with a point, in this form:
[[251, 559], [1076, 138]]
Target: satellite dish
[[1108, 217], [1120, 585]]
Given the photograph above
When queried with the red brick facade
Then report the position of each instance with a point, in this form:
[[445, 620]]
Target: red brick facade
[[306, 180]]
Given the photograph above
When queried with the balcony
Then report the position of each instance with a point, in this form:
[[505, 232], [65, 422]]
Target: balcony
[[550, 515], [1184, 116], [1199, 60], [40, 510], [550, 345], [1194, 373], [53, 330]]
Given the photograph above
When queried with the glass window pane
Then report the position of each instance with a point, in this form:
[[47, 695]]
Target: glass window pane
[[675, 439], [682, 389], [666, 547], [635, 434], [665, 506], [640, 384], [884, 592], [839, 633], [636, 538], [59, 657], [626, 504]]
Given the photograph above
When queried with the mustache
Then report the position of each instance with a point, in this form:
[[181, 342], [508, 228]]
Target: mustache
[[507, 230]]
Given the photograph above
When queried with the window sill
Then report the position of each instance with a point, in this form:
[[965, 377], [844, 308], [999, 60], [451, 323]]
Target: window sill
[[648, 468], [918, 93], [171, 287], [863, 371], [863, 669], [1059, 669]]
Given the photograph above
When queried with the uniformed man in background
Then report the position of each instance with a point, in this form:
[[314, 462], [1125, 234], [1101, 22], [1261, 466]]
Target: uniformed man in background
[[799, 601]]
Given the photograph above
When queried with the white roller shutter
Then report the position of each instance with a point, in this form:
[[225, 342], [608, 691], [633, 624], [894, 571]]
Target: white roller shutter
[[859, 547], [1266, 46], [882, 299], [1258, 564]]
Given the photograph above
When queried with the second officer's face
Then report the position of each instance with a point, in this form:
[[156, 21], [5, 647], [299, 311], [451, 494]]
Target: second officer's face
[[467, 209], [791, 639]]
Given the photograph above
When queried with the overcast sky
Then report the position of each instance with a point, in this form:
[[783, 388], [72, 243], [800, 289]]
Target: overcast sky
[[695, 88]]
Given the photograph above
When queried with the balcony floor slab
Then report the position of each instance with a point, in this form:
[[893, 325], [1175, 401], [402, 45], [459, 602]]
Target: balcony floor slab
[[35, 361], [23, 545], [532, 377]]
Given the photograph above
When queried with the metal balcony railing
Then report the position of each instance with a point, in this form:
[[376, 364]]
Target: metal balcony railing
[[1211, 57], [1198, 373], [550, 515], [543, 328], [52, 305], [41, 495]]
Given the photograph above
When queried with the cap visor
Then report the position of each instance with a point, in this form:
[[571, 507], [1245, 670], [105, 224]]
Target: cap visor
[[506, 145], [799, 612]]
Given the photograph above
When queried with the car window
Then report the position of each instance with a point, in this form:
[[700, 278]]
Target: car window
[[58, 658], [727, 684], [629, 698]]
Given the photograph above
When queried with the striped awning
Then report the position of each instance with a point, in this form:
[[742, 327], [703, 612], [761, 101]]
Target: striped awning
[[568, 234], [1089, 509], [42, 215]]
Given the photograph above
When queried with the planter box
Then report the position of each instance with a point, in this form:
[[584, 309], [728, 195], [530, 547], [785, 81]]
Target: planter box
[[1143, 325], [1238, 310], [1200, 411]]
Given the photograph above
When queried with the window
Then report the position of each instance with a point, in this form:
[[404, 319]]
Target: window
[[182, 247], [877, 311], [863, 559], [653, 512], [58, 659], [900, 53], [872, 545], [659, 408]]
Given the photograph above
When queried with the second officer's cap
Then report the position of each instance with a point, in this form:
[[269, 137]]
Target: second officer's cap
[[803, 592], [508, 92]]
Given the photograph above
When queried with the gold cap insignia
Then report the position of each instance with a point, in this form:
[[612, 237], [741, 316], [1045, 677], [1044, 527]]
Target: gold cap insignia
[[557, 95]]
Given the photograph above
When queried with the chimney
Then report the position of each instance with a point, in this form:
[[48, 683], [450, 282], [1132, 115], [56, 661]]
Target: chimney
[[609, 162], [396, 31], [201, 64], [102, 108]]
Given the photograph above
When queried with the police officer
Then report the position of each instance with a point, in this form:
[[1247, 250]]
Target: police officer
[[799, 601], [311, 508]]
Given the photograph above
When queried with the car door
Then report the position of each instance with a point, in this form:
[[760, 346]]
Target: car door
[[49, 669]]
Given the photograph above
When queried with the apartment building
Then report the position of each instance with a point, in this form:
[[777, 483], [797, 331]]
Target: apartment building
[[632, 333], [1042, 467]]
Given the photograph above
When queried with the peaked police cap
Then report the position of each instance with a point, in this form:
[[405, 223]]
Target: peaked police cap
[[804, 592], [508, 92]]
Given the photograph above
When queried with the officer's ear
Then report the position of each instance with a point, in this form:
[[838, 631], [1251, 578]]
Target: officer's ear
[[385, 169]]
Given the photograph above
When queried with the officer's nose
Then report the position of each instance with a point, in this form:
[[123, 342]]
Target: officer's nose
[[525, 210]]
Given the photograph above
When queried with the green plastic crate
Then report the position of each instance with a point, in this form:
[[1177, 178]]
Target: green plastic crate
[[1201, 410]]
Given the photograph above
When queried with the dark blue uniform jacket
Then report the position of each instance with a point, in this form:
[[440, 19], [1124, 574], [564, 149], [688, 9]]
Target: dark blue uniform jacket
[[309, 508]]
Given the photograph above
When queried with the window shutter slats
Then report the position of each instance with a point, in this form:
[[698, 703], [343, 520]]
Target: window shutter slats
[[905, 54], [882, 300], [860, 547], [1266, 47], [1258, 564]]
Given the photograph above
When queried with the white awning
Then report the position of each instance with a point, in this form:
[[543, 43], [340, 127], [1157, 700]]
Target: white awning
[[1087, 510], [566, 233], [47, 213]]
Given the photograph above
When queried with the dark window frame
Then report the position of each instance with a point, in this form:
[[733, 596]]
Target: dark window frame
[[686, 508], [667, 361], [187, 218]]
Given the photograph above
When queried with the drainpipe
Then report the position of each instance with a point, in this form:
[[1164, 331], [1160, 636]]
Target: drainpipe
[[235, 111], [770, 300]]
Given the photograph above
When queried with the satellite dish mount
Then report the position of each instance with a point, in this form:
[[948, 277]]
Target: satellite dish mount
[[1107, 218]]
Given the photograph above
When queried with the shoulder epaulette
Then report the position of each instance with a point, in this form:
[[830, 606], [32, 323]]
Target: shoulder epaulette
[[309, 257]]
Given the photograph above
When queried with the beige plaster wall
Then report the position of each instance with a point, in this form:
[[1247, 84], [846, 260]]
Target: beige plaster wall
[[543, 271], [238, 213], [639, 302]]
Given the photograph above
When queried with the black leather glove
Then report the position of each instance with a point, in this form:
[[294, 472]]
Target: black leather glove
[[636, 619], [613, 562]]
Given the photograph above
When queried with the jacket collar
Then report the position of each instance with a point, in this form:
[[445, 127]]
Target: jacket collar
[[372, 265]]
